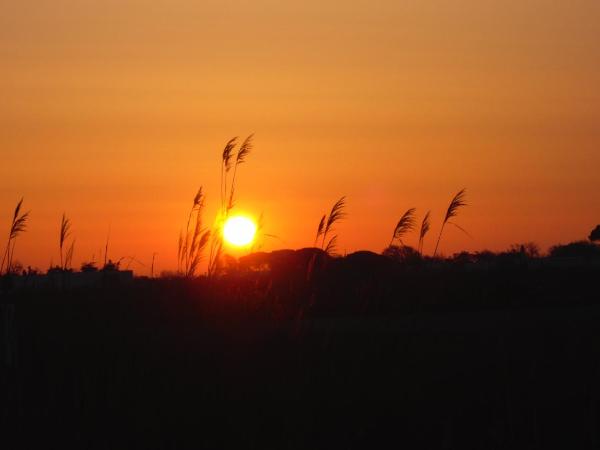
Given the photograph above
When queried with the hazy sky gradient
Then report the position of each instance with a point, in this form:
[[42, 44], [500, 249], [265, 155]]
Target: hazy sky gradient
[[116, 111]]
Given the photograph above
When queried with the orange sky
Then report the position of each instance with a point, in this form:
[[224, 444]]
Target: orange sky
[[116, 111]]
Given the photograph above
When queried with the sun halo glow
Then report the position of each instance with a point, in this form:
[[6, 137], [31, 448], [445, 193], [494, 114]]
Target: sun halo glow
[[239, 231]]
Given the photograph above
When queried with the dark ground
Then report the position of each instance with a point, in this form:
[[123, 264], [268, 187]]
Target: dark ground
[[169, 364]]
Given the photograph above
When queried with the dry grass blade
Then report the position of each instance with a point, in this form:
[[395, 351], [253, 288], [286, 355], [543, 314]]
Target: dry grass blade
[[187, 249], [242, 153], [69, 255], [460, 228], [331, 246], [198, 199], [17, 210], [228, 153], [106, 246], [457, 202], [214, 264], [337, 213], [230, 202], [193, 251], [197, 231], [244, 150], [405, 224], [19, 225], [321, 228], [225, 167], [65, 229], [201, 244], [179, 250], [425, 225]]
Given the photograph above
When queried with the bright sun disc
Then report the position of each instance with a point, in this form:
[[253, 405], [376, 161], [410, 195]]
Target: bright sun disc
[[239, 231]]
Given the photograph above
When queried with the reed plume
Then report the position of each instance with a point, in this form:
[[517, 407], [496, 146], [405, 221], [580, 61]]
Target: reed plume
[[18, 226], [326, 224], [331, 246], [240, 158], [457, 202], [199, 244], [335, 215], [185, 251], [225, 167], [425, 224], [191, 246], [65, 232], [227, 201], [198, 238], [405, 224], [321, 228]]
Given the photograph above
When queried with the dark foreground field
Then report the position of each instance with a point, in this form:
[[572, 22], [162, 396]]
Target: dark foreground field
[[175, 365]]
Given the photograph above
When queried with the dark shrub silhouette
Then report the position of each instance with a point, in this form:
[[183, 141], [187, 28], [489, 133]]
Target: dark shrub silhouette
[[402, 253], [89, 267], [528, 249], [464, 258], [595, 234], [579, 249]]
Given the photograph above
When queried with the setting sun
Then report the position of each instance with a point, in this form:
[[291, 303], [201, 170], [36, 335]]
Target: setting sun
[[239, 231]]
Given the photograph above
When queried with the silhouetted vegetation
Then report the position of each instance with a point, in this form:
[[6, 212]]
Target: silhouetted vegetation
[[457, 202], [425, 225], [404, 225], [327, 223], [65, 233], [18, 225], [479, 350], [595, 234], [227, 198], [579, 249], [191, 247]]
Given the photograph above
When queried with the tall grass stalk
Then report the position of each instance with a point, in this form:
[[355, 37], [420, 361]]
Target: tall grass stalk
[[327, 223], [425, 225], [240, 158], [321, 228], [405, 224], [106, 246], [179, 251], [69, 255], [227, 197], [152, 265], [457, 202], [331, 247], [65, 232], [226, 167], [192, 244], [18, 225], [197, 205]]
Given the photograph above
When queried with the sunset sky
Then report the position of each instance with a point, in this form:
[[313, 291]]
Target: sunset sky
[[115, 111]]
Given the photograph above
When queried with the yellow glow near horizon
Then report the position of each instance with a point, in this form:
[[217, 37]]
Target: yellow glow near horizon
[[239, 231]]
